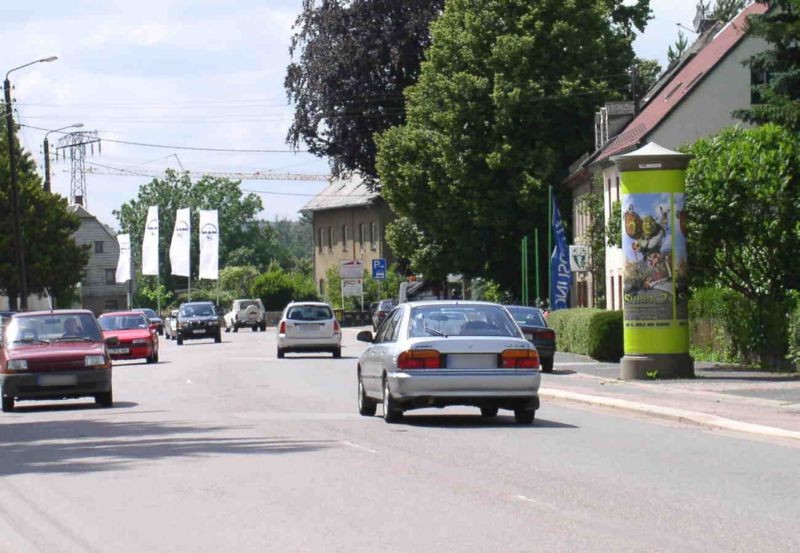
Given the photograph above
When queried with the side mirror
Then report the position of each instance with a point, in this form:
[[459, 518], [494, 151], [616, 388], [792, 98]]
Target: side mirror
[[112, 341], [365, 336]]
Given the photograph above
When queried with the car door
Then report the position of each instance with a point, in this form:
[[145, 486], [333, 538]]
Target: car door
[[381, 348]]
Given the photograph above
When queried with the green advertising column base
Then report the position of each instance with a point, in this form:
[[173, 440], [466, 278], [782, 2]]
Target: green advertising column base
[[649, 366]]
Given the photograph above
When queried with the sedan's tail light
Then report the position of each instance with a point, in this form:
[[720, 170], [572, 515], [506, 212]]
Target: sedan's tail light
[[420, 359], [519, 359], [283, 327], [336, 328]]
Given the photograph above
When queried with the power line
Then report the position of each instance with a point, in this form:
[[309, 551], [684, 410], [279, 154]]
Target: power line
[[192, 148], [101, 169]]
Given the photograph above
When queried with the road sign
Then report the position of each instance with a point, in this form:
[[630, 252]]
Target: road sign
[[351, 268], [352, 287], [379, 269], [578, 259]]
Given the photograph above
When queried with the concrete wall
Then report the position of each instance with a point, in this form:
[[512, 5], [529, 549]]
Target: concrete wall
[[327, 255]]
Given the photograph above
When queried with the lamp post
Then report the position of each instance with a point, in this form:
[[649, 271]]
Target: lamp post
[[47, 153], [12, 166]]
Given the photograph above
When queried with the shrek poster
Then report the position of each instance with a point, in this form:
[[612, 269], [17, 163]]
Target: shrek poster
[[656, 267]]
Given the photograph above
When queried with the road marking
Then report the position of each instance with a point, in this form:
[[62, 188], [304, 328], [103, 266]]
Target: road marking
[[529, 500], [360, 447]]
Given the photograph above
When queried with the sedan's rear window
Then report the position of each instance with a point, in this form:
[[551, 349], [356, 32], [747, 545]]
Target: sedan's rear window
[[309, 313], [461, 320], [246, 304], [122, 322], [527, 316]]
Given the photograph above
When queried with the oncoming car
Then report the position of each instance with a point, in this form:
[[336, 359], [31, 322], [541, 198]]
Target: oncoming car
[[55, 355], [137, 337], [441, 353], [309, 327]]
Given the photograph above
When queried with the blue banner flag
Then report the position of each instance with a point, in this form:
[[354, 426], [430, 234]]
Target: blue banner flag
[[560, 275]]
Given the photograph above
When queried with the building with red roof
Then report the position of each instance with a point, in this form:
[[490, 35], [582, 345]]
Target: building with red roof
[[695, 99]]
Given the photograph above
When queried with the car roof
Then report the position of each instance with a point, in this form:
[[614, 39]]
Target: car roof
[[120, 313], [522, 307], [197, 303], [248, 299], [314, 303], [55, 312], [451, 303]]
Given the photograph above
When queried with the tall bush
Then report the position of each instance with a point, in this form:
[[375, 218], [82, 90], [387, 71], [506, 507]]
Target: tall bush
[[277, 288], [593, 332]]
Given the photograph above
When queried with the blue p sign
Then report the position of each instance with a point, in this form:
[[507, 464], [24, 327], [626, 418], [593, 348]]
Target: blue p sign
[[378, 269]]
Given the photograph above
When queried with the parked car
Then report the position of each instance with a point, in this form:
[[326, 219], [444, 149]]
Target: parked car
[[137, 337], [171, 325], [309, 327], [531, 321], [441, 353], [153, 317], [198, 320], [55, 355], [383, 308], [246, 313]]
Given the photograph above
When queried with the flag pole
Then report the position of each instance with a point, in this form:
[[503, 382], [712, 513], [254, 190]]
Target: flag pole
[[536, 261], [549, 237]]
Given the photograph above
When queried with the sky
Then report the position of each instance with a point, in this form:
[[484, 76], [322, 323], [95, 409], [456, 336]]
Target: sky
[[180, 73]]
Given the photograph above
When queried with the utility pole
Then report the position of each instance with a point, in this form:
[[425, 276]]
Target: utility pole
[[22, 284], [47, 153], [76, 143], [635, 89]]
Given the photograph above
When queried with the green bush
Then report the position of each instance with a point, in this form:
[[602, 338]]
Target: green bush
[[277, 288], [723, 326], [794, 333], [593, 332]]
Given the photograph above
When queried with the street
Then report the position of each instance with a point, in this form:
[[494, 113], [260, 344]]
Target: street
[[222, 447]]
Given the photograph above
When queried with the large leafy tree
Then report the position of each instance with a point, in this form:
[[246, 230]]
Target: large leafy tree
[[54, 263], [743, 196], [778, 68], [243, 239], [353, 59], [502, 106]]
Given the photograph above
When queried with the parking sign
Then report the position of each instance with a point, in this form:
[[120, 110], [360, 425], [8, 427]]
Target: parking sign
[[379, 269]]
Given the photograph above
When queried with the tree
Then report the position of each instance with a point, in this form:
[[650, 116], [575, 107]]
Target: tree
[[238, 279], [295, 238], [54, 262], [723, 10], [354, 58], [500, 109], [243, 240], [591, 205], [743, 194], [776, 71], [649, 72], [277, 288], [675, 51]]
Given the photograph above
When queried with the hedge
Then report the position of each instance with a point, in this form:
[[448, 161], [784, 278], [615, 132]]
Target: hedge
[[593, 332]]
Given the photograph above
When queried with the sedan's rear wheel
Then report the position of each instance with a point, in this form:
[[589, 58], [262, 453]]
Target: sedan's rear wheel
[[391, 411], [180, 340], [280, 353], [524, 416], [337, 353], [366, 406], [547, 365], [489, 411]]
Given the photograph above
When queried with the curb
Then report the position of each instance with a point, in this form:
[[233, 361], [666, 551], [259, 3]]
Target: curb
[[670, 413]]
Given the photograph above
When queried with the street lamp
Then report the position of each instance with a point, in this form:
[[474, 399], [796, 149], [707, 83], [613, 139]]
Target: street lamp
[[12, 166], [47, 153]]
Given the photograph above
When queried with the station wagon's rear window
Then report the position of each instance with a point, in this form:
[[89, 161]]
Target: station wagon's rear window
[[309, 313]]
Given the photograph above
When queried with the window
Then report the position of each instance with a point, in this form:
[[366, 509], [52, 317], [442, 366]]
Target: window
[[111, 305], [98, 246], [619, 292], [612, 289], [373, 235], [330, 239], [344, 238], [757, 80], [361, 236], [322, 287], [617, 189], [321, 239], [111, 276]]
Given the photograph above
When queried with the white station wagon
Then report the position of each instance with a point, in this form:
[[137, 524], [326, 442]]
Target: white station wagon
[[309, 327], [435, 354]]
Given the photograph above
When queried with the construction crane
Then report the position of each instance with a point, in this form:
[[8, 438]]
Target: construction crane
[[98, 169]]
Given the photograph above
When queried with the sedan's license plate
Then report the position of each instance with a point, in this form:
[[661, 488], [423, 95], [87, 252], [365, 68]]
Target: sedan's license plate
[[57, 380], [528, 336], [199, 331], [117, 351]]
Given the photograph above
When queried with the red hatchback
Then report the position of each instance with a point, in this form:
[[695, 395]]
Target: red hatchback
[[54, 355], [138, 338]]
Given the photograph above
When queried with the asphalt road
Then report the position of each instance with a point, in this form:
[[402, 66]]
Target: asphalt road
[[223, 448]]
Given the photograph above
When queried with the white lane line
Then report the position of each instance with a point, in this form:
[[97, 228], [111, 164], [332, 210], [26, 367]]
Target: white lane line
[[529, 500], [359, 447]]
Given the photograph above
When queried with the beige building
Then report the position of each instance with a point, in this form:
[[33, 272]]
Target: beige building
[[99, 290], [349, 222], [695, 99]]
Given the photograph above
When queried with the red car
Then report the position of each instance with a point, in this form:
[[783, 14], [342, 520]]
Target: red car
[[54, 355], [138, 337]]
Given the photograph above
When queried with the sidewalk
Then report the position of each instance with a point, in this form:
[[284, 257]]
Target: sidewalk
[[766, 404]]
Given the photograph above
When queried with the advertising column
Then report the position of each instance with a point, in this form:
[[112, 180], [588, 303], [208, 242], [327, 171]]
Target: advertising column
[[655, 298]]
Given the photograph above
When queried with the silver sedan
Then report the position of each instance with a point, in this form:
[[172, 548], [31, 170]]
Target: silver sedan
[[440, 353]]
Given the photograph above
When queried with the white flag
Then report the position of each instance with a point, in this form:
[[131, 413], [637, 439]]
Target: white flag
[[124, 262], [209, 244], [181, 244], [150, 242]]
